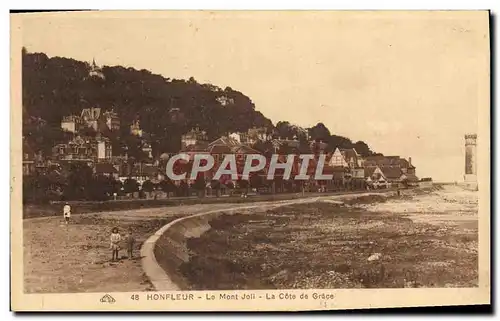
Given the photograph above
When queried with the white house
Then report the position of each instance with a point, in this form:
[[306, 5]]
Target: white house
[[337, 159]]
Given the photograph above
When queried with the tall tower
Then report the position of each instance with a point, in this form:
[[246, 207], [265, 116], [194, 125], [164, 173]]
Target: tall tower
[[470, 176]]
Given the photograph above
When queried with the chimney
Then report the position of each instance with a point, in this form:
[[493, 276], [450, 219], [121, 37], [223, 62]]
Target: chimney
[[409, 161]]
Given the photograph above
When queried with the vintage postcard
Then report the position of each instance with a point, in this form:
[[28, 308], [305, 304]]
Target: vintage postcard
[[249, 160]]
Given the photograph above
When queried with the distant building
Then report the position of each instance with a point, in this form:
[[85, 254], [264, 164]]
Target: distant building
[[255, 134], [425, 182], [470, 177], [395, 169], [87, 149], [288, 145], [71, 123], [141, 172], [376, 177], [135, 128], [354, 161], [406, 166], [112, 120], [393, 174], [240, 137], [95, 71], [28, 159], [90, 117], [106, 169], [337, 159], [350, 161], [176, 116], [225, 101], [146, 148], [193, 137], [251, 137], [318, 147]]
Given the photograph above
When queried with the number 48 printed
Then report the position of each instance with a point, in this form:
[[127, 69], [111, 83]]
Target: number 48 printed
[[135, 297]]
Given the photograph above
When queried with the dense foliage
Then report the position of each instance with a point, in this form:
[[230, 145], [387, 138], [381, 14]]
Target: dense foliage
[[57, 87]]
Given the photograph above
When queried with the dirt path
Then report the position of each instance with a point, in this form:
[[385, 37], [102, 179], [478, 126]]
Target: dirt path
[[76, 257]]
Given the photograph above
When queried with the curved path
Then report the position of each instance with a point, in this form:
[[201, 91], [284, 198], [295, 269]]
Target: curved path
[[196, 224], [61, 258]]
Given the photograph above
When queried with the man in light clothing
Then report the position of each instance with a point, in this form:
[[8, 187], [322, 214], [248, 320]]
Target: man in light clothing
[[67, 212]]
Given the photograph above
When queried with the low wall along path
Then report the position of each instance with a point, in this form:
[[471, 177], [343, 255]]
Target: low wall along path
[[163, 252]]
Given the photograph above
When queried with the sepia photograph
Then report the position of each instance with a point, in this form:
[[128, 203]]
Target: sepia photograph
[[250, 160]]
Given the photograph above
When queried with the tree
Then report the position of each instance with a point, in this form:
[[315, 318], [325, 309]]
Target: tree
[[265, 147], [216, 186], [102, 188], [284, 130], [200, 185], [80, 183], [362, 148], [339, 142], [167, 186], [319, 132], [117, 186], [230, 184], [256, 180], [130, 186], [148, 186], [43, 188], [183, 189]]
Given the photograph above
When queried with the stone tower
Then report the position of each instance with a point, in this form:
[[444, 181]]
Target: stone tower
[[470, 176]]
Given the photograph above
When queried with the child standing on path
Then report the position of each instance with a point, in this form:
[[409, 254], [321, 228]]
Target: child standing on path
[[66, 212], [115, 243], [130, 240]]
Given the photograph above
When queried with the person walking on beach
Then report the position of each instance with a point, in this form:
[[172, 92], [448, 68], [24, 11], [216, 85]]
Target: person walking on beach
[[115, 243], [66, 212], [130, 240]]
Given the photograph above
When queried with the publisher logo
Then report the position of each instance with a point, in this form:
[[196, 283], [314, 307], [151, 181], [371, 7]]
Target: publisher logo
[[107, 299]]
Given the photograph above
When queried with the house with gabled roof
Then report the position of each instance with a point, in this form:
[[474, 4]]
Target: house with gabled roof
[[351, 156], [227, 145], [348, 158], [406, 166], [106, 169], [389, 174], [392, 173], [376, 177], [337, 159]]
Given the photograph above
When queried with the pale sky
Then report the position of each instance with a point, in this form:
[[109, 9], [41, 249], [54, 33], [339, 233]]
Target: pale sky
[[405, 83]]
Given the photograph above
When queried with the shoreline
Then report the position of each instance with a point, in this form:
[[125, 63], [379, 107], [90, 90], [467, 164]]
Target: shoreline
[[234, 244], [166, 250]]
